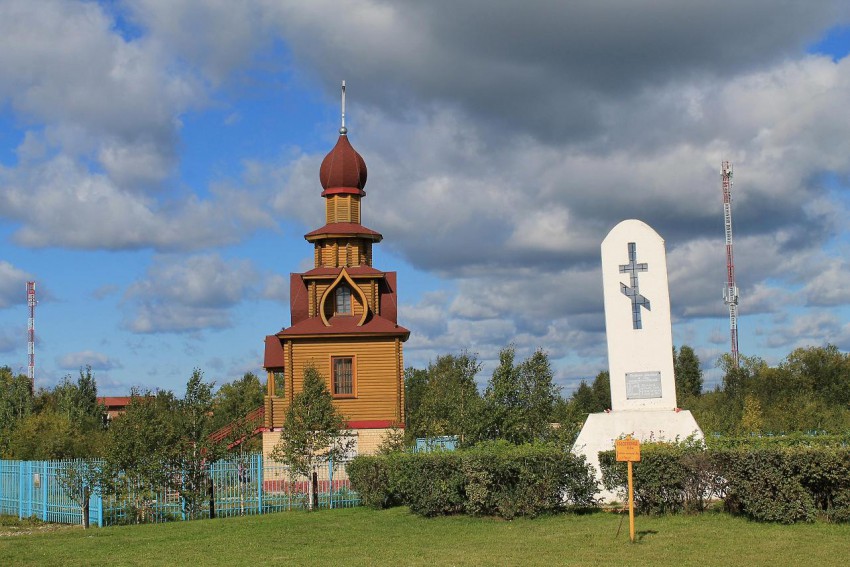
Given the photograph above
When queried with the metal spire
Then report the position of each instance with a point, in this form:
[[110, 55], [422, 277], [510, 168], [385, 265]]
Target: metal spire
[[343, 130]]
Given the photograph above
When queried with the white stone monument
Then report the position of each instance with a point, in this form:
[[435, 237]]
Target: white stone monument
[[640, 347]]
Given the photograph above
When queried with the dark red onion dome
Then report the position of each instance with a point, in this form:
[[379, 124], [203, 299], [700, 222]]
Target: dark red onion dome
[[343, 168]]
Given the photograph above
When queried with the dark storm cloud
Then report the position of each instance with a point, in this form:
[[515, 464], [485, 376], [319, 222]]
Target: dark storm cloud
[[556, 70]]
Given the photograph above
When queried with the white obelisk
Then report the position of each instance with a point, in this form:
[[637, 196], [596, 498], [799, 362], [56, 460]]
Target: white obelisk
[[640, 346]]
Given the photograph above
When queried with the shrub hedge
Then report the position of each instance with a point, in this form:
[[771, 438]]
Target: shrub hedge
[[769, 482], [495, 478]]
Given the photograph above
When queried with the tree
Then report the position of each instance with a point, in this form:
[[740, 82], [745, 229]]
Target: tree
[[601, 391], [519, 400], [823, 371], [688, 374], [415, 384], [144, 448], [80, 479], [16, 403], [451, 404], [313, 431], [751, 417], [503, 410], [64, 423], [587, 399], [78, 400], [235, 400], [737, 381], [50, 435], [198, 451]]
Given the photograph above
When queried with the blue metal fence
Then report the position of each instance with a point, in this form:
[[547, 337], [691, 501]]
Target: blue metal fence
[[429, 444], [32, 489], [251, 485]]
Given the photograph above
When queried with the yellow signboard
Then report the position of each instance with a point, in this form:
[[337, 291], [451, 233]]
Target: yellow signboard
[[628, 450]]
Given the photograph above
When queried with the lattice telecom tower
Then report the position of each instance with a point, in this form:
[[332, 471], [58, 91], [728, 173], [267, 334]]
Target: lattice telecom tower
[[730, 292], [31, 333]]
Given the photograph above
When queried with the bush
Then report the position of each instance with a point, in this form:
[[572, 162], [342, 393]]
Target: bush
[[370, 477], [670, 477], [493, 478], [777, 441], [508, 481], [787, 484], [771, 482], [764, 484], [431, 484]]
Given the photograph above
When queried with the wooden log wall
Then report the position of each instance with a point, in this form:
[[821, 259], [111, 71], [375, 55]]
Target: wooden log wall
[[379, 376]]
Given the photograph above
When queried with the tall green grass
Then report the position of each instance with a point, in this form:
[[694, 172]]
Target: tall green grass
[[396, 537]]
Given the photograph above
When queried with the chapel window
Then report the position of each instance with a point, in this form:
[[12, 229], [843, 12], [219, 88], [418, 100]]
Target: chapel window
[[343, 300], [279, 383], [343, 376]]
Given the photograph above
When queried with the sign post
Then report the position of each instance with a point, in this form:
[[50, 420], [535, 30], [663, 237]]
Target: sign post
[[629, 450]]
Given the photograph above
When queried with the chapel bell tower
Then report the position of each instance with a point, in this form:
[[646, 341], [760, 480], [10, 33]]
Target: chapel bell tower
[[343, 315]]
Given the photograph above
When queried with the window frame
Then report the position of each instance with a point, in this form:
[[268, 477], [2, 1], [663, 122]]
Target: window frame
[[343, 292], [281, 374], [333, 386]]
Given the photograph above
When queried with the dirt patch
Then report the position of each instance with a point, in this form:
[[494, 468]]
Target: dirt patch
[[29, 529]]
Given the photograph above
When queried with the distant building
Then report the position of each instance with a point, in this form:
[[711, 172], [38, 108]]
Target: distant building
[[343, 317], [114, 405]]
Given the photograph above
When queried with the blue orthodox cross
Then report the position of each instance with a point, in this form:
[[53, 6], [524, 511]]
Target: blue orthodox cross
[[633, 291]]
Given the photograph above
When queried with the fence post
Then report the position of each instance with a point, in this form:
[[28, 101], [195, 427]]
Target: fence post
[[331, 482], [97, 499], [182, 491], [44, 465], [21, 465], [258, 462]]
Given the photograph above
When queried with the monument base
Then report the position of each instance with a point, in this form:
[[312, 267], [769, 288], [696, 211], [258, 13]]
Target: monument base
[[602, 429]]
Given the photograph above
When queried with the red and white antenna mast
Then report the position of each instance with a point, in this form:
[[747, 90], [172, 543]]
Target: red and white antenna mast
[[730, 292], [31, 333]]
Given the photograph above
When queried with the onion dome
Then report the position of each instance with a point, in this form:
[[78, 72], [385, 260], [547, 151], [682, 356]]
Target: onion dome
[[343, 168]]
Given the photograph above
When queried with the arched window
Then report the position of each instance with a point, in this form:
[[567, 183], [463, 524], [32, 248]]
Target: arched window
[[343, 300]]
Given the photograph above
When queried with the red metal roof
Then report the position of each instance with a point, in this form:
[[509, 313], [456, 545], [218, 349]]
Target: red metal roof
[[375, 325], [275, 357], [114, 401], [344, 229], [353, 271], [343, 167]]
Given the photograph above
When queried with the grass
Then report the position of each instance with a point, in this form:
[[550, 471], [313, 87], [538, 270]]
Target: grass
[[361, 536]]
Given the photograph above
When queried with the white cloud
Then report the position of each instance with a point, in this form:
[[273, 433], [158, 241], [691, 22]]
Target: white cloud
[[102, 118], [276, 288], [185, 294], [11, 341], [79, 209], [97, 93], [218, 36], [829, 285], [815, 327], [97, 360], [13, 282]]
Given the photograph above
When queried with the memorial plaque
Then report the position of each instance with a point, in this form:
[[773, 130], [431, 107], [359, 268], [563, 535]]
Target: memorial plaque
[[643, 385]]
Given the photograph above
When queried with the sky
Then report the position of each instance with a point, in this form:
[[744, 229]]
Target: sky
[[159, 167]]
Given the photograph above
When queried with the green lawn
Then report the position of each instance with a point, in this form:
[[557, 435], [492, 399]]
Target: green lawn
[[395, 537]]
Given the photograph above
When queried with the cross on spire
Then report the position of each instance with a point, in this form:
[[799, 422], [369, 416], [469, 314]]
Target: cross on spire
[[633, 291]]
